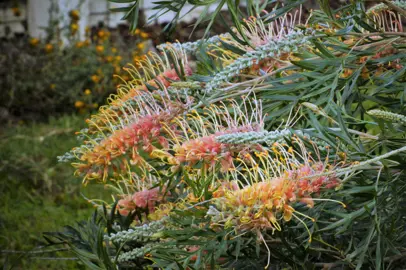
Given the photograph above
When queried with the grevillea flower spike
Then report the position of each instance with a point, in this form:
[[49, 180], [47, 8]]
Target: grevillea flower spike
[[197, 140], [141, 132], [152, 72], [269, 187], [271, 44]]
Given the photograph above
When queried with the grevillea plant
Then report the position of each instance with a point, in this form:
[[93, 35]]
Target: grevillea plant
[[280, 144]]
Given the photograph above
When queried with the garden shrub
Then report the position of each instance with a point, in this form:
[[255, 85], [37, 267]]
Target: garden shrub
[[283, 146], [46, 77]]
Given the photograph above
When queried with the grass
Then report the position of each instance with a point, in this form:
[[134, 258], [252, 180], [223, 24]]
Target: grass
[[38, 194]]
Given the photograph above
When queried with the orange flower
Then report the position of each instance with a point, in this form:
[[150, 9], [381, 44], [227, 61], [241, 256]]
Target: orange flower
[[95, 78], [100, 48], [79, 44], [79, 104], [141, 46], [34, 41], [101, 34], [49, 47]]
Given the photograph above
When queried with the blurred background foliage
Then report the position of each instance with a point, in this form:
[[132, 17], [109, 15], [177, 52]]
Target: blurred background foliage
[[37, 193], [44, 77]]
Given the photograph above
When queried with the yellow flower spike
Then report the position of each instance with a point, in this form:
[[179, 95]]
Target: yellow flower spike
[[88, 92]]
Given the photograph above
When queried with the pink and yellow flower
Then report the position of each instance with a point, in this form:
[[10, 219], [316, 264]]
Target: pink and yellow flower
[[145, 200]]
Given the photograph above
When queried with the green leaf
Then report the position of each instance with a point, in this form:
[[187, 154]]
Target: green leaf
[[323, 49]]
